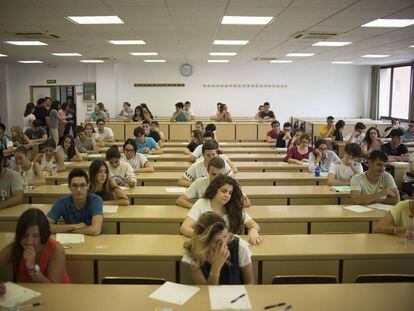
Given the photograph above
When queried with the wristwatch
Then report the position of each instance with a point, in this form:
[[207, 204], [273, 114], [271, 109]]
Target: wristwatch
[[34, 270]]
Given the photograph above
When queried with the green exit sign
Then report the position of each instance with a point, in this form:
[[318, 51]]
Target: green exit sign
[[51, 81]]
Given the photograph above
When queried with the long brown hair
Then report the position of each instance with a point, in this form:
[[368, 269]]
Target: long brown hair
[[19, 134], [94, 168]]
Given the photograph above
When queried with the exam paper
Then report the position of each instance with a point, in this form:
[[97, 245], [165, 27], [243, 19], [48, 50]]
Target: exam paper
[[175, 293], [110, 209], [95, 155], [323, 174], [67, 238], [222, 295], [358, 208], [152, 155], [383, 207], [16, 295], [341, 188], [123, 187], [175, 189]]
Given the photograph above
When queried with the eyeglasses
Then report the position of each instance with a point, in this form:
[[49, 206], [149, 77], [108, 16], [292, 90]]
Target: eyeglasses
[[101, 124], [129, 150], [76, 187]]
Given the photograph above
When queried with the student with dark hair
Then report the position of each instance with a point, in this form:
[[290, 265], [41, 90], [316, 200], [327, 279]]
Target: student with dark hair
[[138, 161], [223, 115], [211, 127], [216, 257], [224, 197], [266, 115], [104, 186], [196, 140], [50, 157], [145, 145], [84, 143], [196, 154], [395, 149], [274, 133], [121, 172], [322, 157], [29, 117], [81, 211], [41, 112], [36, 133], [395, 124], [90, 133], [35, 256], [11, 189], [296, 134], [341, 173], [149, 133], [138, 115], [68, 150], [297, 154], [102, 133], [96, 115], [259, 110], [328, 129], [371, 142], [375, 185], [32, 170], [199, 126], [155, 127], [126, 111], [147, 112], [180, 115], [357, 136], [188, 110], [6, 144], [339, 127]]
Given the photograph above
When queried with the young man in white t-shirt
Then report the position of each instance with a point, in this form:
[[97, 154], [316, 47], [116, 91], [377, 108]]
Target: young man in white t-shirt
[[196, 154], [341, 173], [375, 185], [121, 172], [102, 133], [199, 169]]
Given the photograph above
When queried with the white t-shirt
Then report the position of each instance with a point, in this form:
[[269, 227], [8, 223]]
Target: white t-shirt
[[360, 183], [343, 172], [122, 173], [245, 255], [27, 121], [358, 140], [198, 170], [197, 153], [107, 133], [198, 188], [408, 178], [137, 161]]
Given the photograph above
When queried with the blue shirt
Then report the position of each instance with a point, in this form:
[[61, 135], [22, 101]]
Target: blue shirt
[[149, 143], [65, 208], [180, 117]]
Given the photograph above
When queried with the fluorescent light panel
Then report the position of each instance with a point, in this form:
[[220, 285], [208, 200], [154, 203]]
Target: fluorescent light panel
[[143, 53], [330, 43], [280, 61], [389, 22], [223, 53], [218, 61], [127, 42], [30, 61], [375, 55], [300, 54], [230, 42], [246, 20], [3, 55], [411, 46], [66, 54], [92, 61], [154, 60], [26, 42], [93, 20], [342, 63]]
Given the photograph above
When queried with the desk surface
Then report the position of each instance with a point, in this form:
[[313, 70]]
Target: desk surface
[[222, 144]]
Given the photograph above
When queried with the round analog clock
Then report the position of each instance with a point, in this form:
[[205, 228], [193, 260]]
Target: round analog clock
[[186, 70]]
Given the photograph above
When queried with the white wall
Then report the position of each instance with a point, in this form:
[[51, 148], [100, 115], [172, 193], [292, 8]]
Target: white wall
[[313, 89]]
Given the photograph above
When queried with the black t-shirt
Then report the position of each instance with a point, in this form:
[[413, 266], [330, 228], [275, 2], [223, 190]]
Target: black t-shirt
[[280, 142], [399, 151], [41, 113], [267, 115], [191, 146], [35, 134], [154, 135], [338, 135]]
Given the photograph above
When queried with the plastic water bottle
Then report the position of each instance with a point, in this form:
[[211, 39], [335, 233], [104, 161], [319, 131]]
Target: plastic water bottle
[[409, 231], [54, 168], [317, 171], [25, 183]]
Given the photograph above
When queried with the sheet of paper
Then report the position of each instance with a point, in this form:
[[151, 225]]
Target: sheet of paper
[[358, 208], [175, 189], [221, 297], [341, 188], [69, 163], [16, 295], [174, 293], [383, 207], [95, 155], [123, 187], [67, 238], [110, 209], [323, 174], [152, 155]]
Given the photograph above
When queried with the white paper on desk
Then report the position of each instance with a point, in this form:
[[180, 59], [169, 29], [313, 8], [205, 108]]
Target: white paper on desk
[[123, 188], [110, 209], [152, 155], [70, 238], [358, 208], [382, 207], [222, 295], [69, 163], [174, 293], [175, 189], [323, 174], [341, 188], [95, 155], [16, 295]]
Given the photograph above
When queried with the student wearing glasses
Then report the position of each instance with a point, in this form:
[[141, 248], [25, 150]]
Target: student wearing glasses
[[102, 133], [81, 211], [145, 145], [138, 161]]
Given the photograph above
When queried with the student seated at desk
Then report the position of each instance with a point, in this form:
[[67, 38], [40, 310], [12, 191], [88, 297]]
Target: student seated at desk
[[199, 168], [409, 133], [138, 114], [224, 197], [36, 134], [145, 145], [408, 181], [375, 185], [96, 115], [83, 143], [147, 112], [155, 127], [327, 130], [199, 126], [150, 133], [259, 110], [395, 221], [395, 125], [11, 189], [81, 211], [90, 133], [138, 161], [6, 145], [196, 140], [188, 110], [341, 173], [299, 153], [197, 153], [126, 111], [180, 115], [339, 128], [281, 138], [371, 142], [197, 189], [119, 171], [357, 136], [19, 138], [33, 170], [36, 257], [322, 156], [215, 256], [296, 134], [223, 115], [104, 186], [50, 157], [102, 133], [68, 150], [266, 115], [395, 149], [274, 133]]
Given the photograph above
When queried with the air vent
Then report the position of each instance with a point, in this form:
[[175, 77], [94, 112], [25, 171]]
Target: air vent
[[315, 35], [264, 59], [35, 35]]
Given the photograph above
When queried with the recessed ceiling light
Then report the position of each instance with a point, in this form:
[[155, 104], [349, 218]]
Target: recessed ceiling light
[[3, 55], [280, 61], [91, 61], [30, 61], [66, 54], [328, 43], [411, 46], [300, 54], [230, 42], [342, 63], [389, 22], [246, 20], [143, 53], [218, 61], [154, 60], [91, 20], [127, 42], [223, 53], [26, 42], [375, 55]]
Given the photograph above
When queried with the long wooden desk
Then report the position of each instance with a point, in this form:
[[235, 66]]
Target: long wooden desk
[[343, 255], [258, 195], [227, 144]]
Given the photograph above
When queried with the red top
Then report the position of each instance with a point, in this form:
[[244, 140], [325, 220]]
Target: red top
[[272, 134], [293, 153], [21, 271]]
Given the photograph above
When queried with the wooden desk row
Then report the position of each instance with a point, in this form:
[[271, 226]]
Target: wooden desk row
[[339, 297], [343, 255], [226, 150], [258, 195], [276, 219], [227, 144], [165, 178]]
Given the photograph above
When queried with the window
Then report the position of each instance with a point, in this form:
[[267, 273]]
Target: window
[[395, 91]]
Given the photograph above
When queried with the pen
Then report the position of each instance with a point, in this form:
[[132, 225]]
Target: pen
[[237, 298], [28, 306], [275, 305], [288, 307]]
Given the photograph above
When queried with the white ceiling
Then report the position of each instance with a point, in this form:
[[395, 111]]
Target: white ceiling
[[183, 30]]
